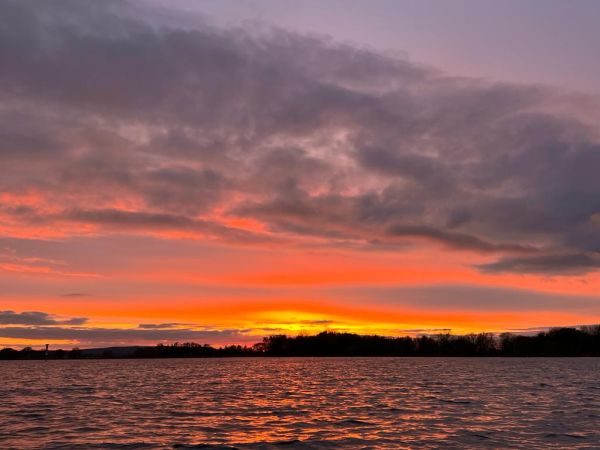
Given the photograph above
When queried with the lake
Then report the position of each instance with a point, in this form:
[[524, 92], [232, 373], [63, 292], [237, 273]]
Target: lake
[[301, 403]]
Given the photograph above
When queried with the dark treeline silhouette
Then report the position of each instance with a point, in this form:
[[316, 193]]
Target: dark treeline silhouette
[[584, 341]]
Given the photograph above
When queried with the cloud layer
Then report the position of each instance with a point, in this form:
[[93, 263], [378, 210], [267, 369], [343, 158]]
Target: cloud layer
[[97, 336], [36, 318], [114, 120]]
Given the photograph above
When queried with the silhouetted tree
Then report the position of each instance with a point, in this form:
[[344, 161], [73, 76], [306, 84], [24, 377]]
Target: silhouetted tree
[[556, 342]]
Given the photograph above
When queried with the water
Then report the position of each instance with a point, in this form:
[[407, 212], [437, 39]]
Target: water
[[301, 403]]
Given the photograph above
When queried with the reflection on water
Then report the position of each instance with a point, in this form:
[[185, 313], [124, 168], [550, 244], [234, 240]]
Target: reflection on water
[[301, 403]]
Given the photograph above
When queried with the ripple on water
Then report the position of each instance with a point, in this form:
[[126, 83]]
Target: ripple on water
[[300, 403]]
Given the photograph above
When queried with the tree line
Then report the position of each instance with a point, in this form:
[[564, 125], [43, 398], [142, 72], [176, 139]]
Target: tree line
[[584, 341]]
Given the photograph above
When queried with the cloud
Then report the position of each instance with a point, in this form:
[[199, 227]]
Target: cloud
[[571, 263], [160, 326], [425, 331], [11, 261], [128, 336], [457, 240], [452, 297], [119, 218], [114, 119], [36, 318]]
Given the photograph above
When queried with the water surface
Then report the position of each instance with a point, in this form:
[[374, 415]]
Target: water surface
[[301, 403]]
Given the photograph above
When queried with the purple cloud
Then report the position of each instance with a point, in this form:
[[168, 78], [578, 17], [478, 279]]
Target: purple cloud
[[189, 127]]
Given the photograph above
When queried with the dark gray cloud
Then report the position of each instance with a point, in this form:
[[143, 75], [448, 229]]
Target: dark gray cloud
[[120, 218], [115, 336], [160, 326], [457, 240], [133, 122], [568, 263], [126, 221], [469, 298], [36, 318]]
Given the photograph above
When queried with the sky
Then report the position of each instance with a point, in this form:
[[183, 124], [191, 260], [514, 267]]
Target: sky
[[221, 171]]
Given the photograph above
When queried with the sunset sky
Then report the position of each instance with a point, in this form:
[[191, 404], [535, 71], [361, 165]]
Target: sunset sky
[[219, 171]]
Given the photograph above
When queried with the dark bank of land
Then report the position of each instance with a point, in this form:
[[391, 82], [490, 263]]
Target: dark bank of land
[[584, 341]]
